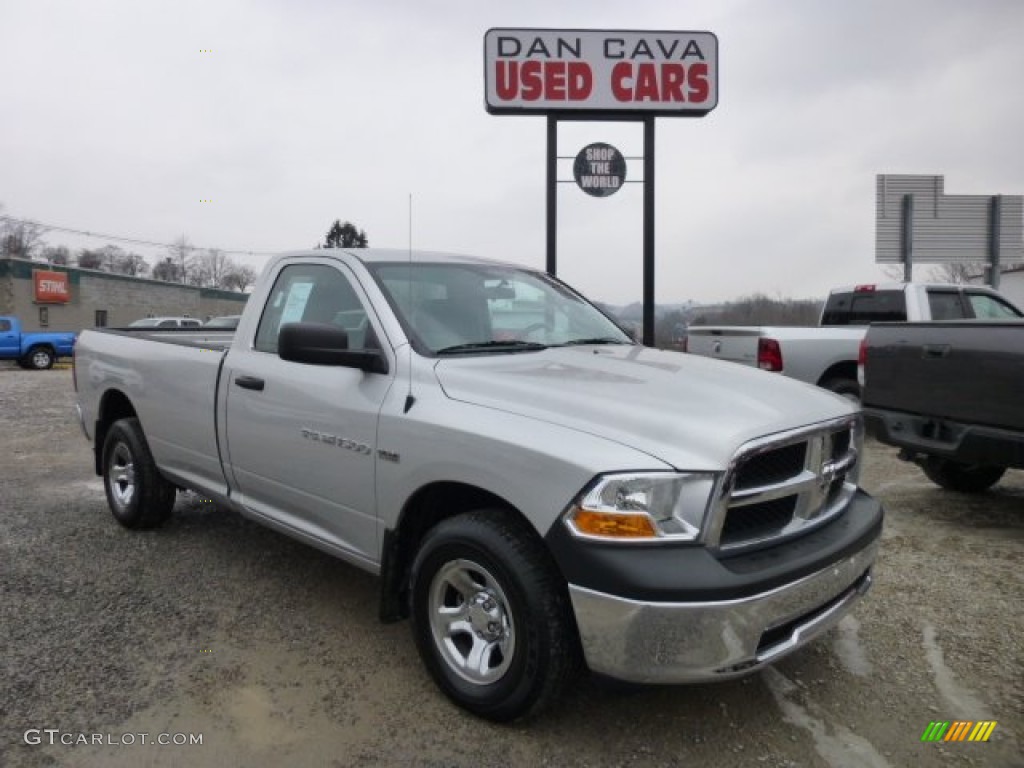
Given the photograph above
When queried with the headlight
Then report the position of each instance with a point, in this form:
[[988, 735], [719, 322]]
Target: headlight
[[639, 506]]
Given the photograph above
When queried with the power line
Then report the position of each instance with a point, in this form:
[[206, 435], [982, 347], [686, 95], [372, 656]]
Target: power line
[[132, 240]]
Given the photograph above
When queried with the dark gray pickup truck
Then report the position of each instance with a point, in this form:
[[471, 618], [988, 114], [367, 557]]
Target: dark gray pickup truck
[[950, 395]]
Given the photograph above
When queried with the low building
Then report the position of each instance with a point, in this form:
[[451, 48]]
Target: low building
[[56, 298]]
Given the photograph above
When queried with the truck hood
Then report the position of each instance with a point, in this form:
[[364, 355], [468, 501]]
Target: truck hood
[[690, 412]]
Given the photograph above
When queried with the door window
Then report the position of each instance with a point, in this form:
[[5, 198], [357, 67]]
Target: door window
[[946, 305], [5, 325], [313, 293], [987, 307]]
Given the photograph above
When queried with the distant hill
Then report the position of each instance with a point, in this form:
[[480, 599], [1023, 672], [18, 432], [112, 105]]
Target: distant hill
[[635, 312]]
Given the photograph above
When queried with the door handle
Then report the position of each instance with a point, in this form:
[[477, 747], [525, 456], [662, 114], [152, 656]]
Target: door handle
[[249, 382], [935, 350]]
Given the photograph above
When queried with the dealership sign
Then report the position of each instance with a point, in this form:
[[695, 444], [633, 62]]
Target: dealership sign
[[50, 287], [597, 71]]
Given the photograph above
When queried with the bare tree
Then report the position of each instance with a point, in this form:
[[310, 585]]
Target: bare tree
[[56, 254], [90, 259], [19, 238], [167, 270], [112, 256], [180, 252], [239, 278], [211, 267], [954, 272], [894, 272], [132, 264]]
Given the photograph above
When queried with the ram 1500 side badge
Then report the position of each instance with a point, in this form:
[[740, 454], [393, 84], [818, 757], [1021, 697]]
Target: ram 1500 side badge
[[342, 442]]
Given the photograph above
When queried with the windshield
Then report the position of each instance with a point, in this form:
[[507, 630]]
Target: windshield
[[468, 308], [146, 322]]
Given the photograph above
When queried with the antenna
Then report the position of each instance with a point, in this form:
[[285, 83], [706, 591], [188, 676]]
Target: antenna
[[409, 399]]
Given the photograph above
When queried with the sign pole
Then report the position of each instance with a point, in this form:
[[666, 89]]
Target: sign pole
[[648, 331], [552, 196], [996, 224], [907, 241]]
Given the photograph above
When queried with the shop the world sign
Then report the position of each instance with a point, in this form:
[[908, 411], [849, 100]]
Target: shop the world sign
[[596, 71], [599, 169]]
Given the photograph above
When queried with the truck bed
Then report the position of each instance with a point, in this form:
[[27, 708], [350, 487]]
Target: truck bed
[[968, 372], [190, 337], [812, 354], [172, 383]]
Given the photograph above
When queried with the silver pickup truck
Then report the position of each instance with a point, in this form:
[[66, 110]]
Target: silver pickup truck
[[534, 489], [827, 354]]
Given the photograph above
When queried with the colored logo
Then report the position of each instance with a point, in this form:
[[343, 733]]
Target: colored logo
[[50, 287], [958, 730]]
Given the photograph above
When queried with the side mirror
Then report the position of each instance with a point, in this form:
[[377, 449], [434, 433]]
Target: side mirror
[[322, 344]]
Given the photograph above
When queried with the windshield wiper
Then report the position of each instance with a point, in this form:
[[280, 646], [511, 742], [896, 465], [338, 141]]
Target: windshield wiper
[[512, 345], [596, 340]]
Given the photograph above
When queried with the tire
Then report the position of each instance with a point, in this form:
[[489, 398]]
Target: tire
[[966, 478], [138, 495], [483, 573], [848, 388], [39, 358]]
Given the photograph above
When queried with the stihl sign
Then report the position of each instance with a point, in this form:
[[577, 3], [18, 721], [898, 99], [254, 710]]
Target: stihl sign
[[50, 287], [548, 70]]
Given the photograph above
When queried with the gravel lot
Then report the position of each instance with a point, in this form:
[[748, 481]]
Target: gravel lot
[[272, 650]]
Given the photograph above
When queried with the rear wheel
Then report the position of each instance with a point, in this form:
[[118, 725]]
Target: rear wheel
[[39, 358], [966, 478], [491, 616], [848, 388], [138, 495]]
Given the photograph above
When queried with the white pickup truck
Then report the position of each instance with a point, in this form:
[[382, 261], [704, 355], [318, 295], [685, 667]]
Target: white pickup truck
[[827, 355], [534, 489]]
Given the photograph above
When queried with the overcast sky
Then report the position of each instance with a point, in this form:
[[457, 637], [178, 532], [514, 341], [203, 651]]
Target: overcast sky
[[112, 120]]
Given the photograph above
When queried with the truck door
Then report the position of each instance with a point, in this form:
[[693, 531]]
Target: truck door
[[301, 439], [10, 339]]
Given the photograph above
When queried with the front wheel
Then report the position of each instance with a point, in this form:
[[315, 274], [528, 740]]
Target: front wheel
[[491, 616], [138, 495], [966, 478]]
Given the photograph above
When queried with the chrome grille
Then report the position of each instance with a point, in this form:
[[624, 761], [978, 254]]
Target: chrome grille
[[755, 521], [780, 486], [770, 467]]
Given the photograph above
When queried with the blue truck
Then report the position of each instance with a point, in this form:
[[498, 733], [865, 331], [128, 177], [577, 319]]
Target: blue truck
[[32, 350]]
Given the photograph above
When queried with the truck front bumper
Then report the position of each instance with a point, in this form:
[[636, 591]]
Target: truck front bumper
[[648, 642], [81, 422], [662, 614]]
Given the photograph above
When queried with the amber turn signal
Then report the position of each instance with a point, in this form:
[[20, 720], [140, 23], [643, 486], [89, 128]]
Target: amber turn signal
[[613, 525]]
